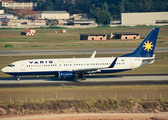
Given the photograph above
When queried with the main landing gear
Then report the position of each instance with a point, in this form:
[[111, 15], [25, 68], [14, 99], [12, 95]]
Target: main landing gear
[[18, 78], [81, 77]]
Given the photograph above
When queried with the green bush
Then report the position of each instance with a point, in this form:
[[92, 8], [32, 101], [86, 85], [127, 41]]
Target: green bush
[[8, 45]]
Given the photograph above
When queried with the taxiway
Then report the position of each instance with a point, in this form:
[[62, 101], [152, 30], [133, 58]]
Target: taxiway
[[90, 81], [73, 52]]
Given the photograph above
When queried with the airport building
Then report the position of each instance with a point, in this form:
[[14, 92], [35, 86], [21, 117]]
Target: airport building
[[8, 16], [88, 22], [18, 5], [53, 15], [146, 18], [1, 11]]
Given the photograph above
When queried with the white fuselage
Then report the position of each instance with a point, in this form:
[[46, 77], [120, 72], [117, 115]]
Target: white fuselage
[[87, 65]]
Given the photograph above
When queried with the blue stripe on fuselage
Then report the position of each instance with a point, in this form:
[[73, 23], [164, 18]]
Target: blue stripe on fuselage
[[56, 72]]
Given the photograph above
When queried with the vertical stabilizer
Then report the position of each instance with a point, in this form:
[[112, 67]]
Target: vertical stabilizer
[[93, 55], [147, 46]]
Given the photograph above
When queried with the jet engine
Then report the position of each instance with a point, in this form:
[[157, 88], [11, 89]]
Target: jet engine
[[66, 74]]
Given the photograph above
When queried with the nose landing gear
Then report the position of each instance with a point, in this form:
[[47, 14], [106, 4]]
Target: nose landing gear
[[18, 78]]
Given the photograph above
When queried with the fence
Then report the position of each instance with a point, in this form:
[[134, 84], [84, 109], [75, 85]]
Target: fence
[[115, 94]]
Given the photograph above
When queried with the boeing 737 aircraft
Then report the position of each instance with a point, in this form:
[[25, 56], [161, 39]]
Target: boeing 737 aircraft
[[77, 67]]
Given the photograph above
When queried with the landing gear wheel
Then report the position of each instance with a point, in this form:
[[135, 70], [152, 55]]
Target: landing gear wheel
[[18, 78], [83, 78]]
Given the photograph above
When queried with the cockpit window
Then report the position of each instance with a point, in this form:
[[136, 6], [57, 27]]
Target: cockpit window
[[11, 65]]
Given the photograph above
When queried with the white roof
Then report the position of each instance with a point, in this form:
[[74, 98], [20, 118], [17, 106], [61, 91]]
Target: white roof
[[55, 12]]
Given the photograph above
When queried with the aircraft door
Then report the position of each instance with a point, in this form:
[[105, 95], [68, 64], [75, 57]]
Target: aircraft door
[[22, 66]]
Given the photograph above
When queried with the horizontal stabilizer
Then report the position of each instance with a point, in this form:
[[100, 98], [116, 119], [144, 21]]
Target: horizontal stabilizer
[[153, 58]]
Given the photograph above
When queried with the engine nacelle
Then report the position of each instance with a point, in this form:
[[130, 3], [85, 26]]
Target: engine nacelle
[[66, 74]]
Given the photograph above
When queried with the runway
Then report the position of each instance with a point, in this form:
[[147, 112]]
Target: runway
[[73, 52], [90, 81]]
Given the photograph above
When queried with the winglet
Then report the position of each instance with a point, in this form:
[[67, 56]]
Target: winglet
[[93, 55]]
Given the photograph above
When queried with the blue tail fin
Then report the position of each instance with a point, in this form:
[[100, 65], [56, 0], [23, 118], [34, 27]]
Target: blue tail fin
[[147, 46]]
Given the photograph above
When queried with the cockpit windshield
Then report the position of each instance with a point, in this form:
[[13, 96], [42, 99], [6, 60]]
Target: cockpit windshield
[[11, 65]]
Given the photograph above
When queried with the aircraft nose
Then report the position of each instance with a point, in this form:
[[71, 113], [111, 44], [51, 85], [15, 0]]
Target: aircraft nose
[[3, 69]]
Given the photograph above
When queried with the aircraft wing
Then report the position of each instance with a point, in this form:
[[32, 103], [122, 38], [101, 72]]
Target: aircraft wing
[[85, 70]]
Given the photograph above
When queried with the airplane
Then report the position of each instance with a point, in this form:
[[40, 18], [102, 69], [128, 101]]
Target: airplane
[[71, 68]]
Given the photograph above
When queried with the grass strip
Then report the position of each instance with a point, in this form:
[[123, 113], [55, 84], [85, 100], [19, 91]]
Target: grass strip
[[142, 92], [83, 106]]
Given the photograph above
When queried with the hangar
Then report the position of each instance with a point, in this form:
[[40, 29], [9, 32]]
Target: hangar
[[93, 36], [145, 18], [126, 36], [53, 15]]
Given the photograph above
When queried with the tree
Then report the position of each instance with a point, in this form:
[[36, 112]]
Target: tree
[[115, 11], [58, 4], [104, 6], [20, 0], [68, 5], [49, 6], [148, 4], [83, 5], [95, 7], [122, 6], [103, 17]]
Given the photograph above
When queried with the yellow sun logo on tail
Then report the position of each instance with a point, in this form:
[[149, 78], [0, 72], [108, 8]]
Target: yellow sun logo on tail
[[147, 46]]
